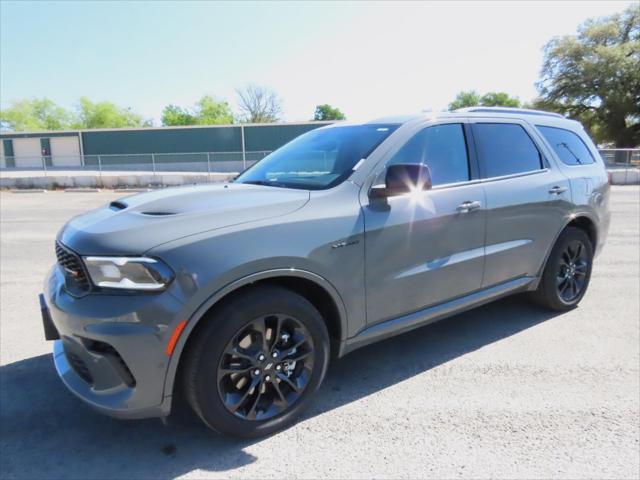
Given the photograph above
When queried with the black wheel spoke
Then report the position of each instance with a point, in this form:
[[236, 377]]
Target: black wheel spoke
[[238, 352], [578, 251], [299, 356], [231, 369], [289, 382], [275, 333], [261, 330], [251, 413], [282, 398], [254, 383]]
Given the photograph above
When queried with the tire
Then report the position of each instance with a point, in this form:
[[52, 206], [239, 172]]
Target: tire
[[221, 364], [566, 275]]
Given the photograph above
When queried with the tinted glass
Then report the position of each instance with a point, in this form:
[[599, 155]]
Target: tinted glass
[[319, 159], [567, 145], [505, 149], [442, 148]]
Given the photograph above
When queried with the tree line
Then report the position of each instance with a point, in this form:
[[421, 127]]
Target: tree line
[[592, 76]]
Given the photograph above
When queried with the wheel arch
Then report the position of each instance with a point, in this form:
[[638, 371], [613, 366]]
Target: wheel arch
[[319, 291], [583, 221], [586, 224]]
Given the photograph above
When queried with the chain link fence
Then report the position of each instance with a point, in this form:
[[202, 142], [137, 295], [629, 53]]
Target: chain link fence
[[150, 163], [201, 162]]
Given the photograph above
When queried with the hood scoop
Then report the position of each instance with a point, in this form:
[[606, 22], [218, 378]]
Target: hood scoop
[[118, 205], [158, 214]]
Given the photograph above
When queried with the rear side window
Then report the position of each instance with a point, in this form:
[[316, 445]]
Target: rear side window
[[442, 148], [568, 146], [505, 149]]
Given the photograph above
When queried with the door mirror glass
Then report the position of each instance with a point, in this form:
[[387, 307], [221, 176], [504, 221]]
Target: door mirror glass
[[403, 178]]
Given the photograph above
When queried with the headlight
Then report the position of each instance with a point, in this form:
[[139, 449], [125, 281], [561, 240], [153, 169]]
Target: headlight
[[128, 273]]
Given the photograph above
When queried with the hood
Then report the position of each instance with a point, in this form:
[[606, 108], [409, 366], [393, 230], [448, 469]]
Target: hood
[[135, 224]]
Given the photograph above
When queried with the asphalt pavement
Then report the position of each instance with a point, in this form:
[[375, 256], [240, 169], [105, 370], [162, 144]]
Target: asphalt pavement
[[504, 391]]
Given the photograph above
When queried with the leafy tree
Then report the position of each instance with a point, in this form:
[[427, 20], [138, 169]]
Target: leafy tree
[[466, 99], [594, 76], [327, 112], [106, 115], [35, 114], [258, 104], [207, 111], [173, 115], [499, 99], [471, 98]]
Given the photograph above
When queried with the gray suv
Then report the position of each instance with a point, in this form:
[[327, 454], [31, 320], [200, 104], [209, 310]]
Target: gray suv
[[235, 296]]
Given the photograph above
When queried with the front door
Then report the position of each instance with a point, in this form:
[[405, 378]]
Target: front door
[[427, 247]]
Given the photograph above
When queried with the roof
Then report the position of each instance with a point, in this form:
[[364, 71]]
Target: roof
[[537, 116]]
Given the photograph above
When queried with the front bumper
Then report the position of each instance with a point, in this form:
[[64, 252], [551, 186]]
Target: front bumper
[[111, 351]]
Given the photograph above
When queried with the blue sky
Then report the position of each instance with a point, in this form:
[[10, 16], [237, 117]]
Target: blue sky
[[369, 59]]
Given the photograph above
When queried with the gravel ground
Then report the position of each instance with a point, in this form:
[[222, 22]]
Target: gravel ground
[[506, 390]]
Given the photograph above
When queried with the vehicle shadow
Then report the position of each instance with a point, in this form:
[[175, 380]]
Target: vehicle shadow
[[45, 432]]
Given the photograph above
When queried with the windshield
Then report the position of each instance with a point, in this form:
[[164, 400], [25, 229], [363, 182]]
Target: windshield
[[319, 159]]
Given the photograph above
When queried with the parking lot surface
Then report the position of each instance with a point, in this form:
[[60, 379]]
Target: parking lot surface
[[507, 390]]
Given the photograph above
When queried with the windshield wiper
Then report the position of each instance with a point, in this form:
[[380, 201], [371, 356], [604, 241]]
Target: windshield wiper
[[269, 183]]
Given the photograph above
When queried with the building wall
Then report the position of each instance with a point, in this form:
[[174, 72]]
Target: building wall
[[132, 142]]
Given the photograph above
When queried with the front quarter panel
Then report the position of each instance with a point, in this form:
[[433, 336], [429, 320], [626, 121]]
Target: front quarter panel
[[322, 242]]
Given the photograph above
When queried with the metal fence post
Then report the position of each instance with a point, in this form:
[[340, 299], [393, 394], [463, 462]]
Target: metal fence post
[[44, 165], [153, 163], [99, 170], [208, 167], [244, 150]]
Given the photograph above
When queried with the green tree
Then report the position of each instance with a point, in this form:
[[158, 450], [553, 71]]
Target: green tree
[[35, 114], [327, 112], [594, 76], [499, 99], [209, 111], [173, 115], [106, 115], [471, 98], [206, 111]]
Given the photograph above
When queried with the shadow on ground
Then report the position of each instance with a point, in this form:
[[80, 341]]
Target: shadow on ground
[[48, 433]]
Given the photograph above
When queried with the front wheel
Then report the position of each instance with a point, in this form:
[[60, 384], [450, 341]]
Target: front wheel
[[257, 362], [567, 273]]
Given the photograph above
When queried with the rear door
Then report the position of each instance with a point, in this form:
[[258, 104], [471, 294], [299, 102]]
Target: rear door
[[527, 198], [425, 247]]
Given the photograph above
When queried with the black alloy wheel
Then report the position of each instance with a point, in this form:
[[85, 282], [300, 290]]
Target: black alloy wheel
[[566, 275], [572, 271], [256, 361], [266, 367]]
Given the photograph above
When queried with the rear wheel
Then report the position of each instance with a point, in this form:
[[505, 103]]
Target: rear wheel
[[566, 276], [257, 362]]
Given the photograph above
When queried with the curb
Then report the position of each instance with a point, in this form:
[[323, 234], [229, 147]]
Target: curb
[[28, 190], [82, 190], [132, 190]]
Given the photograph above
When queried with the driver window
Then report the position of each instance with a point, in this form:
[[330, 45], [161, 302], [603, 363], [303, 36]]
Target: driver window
[[442, 148]]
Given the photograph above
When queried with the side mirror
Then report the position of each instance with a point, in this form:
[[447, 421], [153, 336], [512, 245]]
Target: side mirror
[[401, 179]]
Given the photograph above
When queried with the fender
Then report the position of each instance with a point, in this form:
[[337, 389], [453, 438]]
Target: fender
[[570, 218], [197, 315]]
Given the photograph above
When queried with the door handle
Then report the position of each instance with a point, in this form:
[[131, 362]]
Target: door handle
[[557, 190], [466, 207]]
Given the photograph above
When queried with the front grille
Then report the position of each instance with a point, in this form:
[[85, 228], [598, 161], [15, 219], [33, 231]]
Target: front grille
[[72, 267], [79, 367]]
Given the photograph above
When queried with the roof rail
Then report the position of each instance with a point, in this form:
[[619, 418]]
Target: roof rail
[[520, 111]]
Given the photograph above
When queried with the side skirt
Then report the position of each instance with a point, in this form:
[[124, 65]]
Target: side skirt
[[403, 324]]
